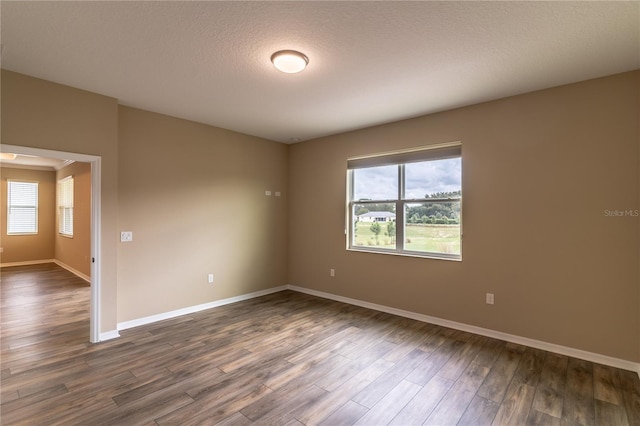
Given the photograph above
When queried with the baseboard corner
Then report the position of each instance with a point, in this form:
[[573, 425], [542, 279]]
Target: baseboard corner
[[72, 270], [109, 335]]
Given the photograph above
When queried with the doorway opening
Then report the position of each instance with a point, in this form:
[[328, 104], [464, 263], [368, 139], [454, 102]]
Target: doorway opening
[[95, 161]]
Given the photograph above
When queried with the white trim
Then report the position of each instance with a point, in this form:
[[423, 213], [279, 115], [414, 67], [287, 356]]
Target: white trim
[[96, 221], [7, 165], [409, 150], [197, 308], [27, 262], [73, 270], [108, 335], [39, 262], [538, 344], [96, 256], [63, 165], [38, 152]]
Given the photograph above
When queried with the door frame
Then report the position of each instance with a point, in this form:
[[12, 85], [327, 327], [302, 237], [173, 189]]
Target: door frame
[[95, 161]]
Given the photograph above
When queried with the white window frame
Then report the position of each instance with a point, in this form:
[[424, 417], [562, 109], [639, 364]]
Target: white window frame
[[400, 158], [11, 206], [65, 196]]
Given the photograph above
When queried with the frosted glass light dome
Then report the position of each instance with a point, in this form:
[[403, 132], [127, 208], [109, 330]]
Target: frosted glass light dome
[[289, 61]]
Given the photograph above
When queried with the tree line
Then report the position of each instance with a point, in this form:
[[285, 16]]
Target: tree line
[[442, 213]]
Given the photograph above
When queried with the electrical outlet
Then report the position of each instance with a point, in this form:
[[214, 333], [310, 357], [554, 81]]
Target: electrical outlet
[[126, 236], [267, 193], [332, 272], [210, 278], [490, 299]]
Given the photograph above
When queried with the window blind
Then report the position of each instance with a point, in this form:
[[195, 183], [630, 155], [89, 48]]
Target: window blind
[[22, 207], [403, 157], [65, 206]]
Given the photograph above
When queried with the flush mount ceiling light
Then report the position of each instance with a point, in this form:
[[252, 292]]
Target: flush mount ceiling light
[[289, 61]]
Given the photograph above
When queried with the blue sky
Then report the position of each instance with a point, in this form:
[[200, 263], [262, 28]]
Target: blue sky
[[381, 183]]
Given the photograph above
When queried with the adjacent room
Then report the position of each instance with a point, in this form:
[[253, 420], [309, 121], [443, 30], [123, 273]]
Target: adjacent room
[[320, 213]]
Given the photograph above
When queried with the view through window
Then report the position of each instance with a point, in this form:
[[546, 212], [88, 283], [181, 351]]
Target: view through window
[[407, 203]]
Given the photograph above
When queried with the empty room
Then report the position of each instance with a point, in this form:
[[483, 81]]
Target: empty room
[[318, 212]]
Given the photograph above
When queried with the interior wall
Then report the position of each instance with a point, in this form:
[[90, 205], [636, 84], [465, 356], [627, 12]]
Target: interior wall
[[40, 246], [76, 251], [41, 114], [194, 197], [540, 171]]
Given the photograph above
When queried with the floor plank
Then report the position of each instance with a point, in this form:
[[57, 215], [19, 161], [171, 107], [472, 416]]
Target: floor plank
[[579, 404], [515, 408], [480, 412], [630, 386], [550, 392], [347, 414], [387, 408], [607, 385], [454, 404], [423, 403], [502, 371]]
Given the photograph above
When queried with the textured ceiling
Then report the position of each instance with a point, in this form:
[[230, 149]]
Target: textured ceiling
[[31, 162], [370, 62]]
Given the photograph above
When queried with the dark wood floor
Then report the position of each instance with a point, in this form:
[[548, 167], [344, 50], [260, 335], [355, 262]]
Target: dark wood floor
[[282, 359]]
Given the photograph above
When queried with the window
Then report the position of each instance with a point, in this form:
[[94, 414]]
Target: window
[[22, 207], [65, 206], [407, 203]]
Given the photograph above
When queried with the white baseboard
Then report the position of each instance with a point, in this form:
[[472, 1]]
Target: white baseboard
[[192, 309], [108, 335], [43, 261], [73, 271], [26, 263], [538, 344]]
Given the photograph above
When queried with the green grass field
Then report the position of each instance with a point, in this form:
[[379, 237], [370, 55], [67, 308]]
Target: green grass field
[[426, 238]]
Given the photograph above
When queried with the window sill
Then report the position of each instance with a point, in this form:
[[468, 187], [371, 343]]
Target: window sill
[[434, 256], [65, 236]]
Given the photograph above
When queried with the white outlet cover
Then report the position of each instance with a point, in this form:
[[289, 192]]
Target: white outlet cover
[[126, 236]]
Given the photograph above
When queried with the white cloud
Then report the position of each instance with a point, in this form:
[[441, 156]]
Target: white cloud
[[381, 183]]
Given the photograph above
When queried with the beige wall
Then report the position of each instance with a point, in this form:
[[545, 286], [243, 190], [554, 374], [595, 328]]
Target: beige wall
[[76, 251], [194, 198], [539, 170], [23, 248], [41, 114]]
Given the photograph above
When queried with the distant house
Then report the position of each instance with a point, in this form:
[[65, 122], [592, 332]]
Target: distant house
[[377, 217]]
